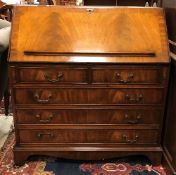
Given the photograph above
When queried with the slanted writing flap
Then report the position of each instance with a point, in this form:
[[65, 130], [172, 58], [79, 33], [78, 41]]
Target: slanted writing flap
[[88, 34]]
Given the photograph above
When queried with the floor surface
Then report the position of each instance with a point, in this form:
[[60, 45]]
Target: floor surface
[[6, 125]]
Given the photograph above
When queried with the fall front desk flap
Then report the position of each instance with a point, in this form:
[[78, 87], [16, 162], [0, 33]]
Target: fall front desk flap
[[88, 34]]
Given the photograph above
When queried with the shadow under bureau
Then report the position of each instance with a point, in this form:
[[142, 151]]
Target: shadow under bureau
[[88, 83]]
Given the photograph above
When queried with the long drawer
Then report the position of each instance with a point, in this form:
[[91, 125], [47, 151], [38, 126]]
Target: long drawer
[[92, 96], [93, 136], [89, 116], [55, 74]]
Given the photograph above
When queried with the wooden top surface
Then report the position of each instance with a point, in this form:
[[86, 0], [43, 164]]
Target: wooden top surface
[[88, 34]]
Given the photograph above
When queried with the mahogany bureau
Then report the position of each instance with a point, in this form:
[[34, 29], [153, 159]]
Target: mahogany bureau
[[88, 83]]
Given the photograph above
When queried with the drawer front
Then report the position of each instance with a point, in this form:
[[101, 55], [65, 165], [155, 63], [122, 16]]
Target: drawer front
[[89, 116], [52, 74], [89, 136], [62, 74], [131, 75], [88, 96]]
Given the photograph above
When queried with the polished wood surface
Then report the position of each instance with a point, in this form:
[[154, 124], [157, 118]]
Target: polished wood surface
[[79, 74], [85, 92], [94, 115], [127, 41], [88, 136], [78, 96]]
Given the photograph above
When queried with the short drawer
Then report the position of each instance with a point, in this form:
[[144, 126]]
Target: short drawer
[[89, 116], [51, 74], [88, 96], [94, 136], [128, 75]]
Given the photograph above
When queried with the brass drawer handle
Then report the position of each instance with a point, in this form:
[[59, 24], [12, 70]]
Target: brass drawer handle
[[132, 141], [139, 98], [40, 135], [39, 117], [133, 121], [59, 77], [37, 98], [128, 80]]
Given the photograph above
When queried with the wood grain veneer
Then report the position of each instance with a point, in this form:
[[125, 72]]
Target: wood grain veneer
[[88, 83]]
